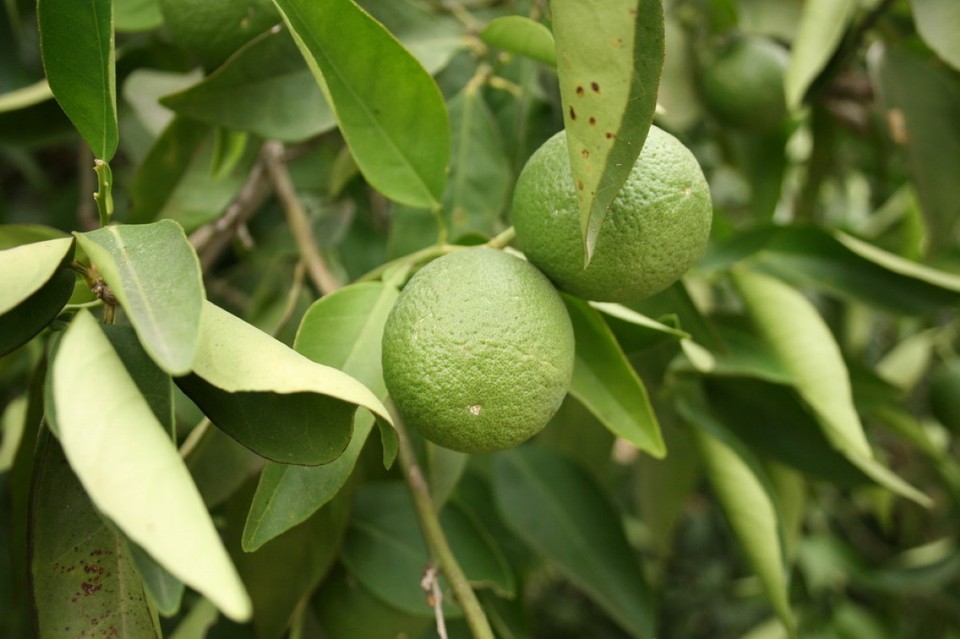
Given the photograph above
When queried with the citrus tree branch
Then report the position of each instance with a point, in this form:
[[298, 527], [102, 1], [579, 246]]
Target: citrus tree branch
[[435, 538], [297, 219]]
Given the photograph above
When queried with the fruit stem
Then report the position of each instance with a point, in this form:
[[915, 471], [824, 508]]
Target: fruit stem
[[503, 239], [434, 537], [423, 255]]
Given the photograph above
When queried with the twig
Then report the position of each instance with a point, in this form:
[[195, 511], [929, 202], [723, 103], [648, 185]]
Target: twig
[[431, 588], [503, 239], [423, 255], [292, 296], [434, 537], [87, 211], [297, 218]]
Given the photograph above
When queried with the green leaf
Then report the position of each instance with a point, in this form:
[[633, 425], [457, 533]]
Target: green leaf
[[130, 468], [137, 15], [609, 58], [938, 22], [13, 235], [431, 36], [220, 465], [84, 582], [265, 88], [25, 97], [523, 36], [607, 385], [553, 506], [802, 342], [270, 398], [42, 286], [342, 330], [480, 177], [155, 275], [635, 331], [922, 104], [76, 40], [384, 549], [822, 25], [389, 109], [164, 590], [166, 165], [750, 507]]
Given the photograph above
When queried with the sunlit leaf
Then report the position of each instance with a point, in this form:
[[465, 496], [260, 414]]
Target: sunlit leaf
[[155, 275], [389, 109], [609, 58], [822, 25], [605, 382], [76, 40], [341, 330], [551, 505], [130, 468], [523, 36]]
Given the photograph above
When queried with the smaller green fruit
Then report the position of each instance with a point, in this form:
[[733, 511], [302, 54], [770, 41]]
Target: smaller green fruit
[[743, 87]]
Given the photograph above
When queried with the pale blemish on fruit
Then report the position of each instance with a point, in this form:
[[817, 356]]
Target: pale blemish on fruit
[[475, 409]]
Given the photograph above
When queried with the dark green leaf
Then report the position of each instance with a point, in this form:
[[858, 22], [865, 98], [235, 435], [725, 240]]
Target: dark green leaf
[[84, 582], [343, 330], [266, 89], [164, 590], [635, 331], [822, 25], [607, 385], [923, 108], [938, 22], [550, 504], [155, 275], [523, 36], [220, 465], [270, 398], [12, 235], [431, 36], [389, 109], [609, 58], [480, 175], [76, 39], [130, 468]]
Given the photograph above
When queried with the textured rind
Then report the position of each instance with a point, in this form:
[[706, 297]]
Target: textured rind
[[478, 351], [655, 230]]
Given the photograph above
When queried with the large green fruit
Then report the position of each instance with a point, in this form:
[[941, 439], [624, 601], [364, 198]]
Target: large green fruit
[[478, 351], [655, 230]]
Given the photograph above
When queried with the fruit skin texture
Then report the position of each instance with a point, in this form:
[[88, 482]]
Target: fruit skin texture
[[655, 230], [478, 351], [743, 87]]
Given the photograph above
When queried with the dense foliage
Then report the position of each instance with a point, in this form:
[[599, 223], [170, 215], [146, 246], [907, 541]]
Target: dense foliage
[[209, 209]]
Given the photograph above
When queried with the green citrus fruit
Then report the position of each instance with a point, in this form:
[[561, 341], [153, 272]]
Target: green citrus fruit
[[655, 229], [945, 395], [743, 87], [478, 351], [213, 29]]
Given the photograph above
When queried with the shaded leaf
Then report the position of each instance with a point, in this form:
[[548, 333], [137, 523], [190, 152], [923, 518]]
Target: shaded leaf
[[551, 505], [25, 97], [270, 398], [938, 22], [523, 36], [480, 175], [922, 104], [12, 235], [609, 58], [154, 385], [84, 582], [141, 264], [635, 331], [163, 589], [137, 15], [431, 36], [130, 468], [265, 88], [822, 25], [605, 382], [76, 40], [220, 465], [389, 109], [804, 345]]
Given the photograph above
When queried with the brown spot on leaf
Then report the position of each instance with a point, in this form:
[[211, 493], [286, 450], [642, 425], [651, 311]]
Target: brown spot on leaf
[[580, 91], [617, 43], [595, 86], [592, 120], [609, 135], [573, 114], [580, 185], [585, 153]]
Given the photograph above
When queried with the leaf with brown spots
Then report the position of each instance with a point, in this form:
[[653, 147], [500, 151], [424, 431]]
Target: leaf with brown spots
[[609, 57]]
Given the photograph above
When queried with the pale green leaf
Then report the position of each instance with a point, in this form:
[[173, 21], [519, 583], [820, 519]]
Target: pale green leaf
[[606, 383], [137, 15], [155, 275], [343, 330], [554, 507], [76, 40], [24, 97], [388, 108], [938, 22], [269, 397], [822, 25], [609, 58], [34, 265], [802, 342], [131, 470], [83, 577], [523, 36]]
